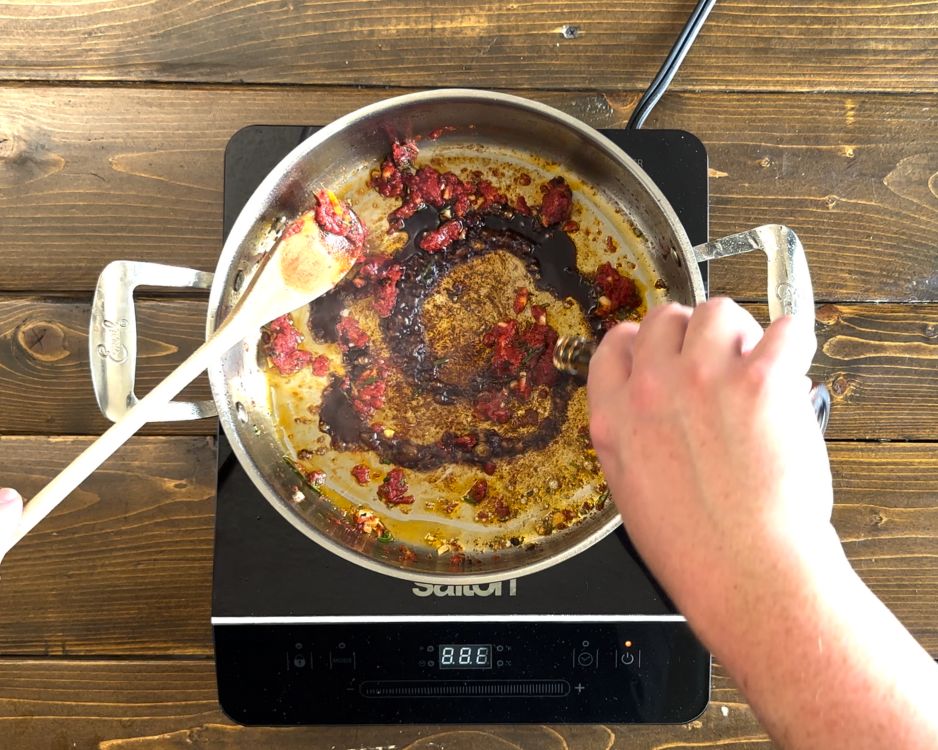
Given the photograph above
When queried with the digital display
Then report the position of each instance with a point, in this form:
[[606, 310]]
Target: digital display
[[465, 656]]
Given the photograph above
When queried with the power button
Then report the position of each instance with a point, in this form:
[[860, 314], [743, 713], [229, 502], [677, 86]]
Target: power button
[[630, 658]]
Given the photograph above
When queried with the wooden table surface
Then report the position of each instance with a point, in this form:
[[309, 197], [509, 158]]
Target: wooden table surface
[[113, 121]]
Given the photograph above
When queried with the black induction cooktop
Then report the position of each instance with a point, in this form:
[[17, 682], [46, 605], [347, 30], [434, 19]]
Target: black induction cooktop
[[305, 637]]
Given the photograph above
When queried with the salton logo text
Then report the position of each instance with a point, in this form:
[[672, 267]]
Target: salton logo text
[[483, 589]]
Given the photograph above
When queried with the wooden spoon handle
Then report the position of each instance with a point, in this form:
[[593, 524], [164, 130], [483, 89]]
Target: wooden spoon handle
[[95, 454]]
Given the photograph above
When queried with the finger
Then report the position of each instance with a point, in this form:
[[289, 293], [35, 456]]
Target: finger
[[719, 328], [787, 348], [615, 349], [611, 364], [10, 501], [661, 333], [11, 508]]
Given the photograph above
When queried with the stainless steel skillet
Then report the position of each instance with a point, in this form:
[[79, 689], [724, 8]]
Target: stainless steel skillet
[[342, 154]]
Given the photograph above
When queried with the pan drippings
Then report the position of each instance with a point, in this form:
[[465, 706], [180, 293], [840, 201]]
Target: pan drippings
[[435, 338], [440, 419]]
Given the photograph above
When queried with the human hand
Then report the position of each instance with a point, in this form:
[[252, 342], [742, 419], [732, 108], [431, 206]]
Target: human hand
[[711, 448], [11, 508]]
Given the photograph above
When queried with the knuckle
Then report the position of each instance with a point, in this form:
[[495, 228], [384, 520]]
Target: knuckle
[[600, 432], [716, 310], [697, 376], [720, 304], [756, 376], [678, 310], [618, 335], [646, 390], [666, 310]]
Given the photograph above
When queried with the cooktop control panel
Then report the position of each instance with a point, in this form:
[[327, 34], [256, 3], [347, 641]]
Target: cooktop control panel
[[451, 671]]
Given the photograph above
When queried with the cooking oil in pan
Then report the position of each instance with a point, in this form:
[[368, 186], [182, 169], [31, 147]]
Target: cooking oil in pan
[[533, 488]]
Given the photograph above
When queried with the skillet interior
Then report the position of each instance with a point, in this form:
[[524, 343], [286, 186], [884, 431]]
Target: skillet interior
[[342, 155]]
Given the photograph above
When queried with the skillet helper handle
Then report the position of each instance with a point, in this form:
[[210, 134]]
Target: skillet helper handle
[[789, 285], [112, 336]]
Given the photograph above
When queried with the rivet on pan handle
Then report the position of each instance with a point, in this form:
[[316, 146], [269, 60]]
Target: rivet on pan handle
[[112, 335]]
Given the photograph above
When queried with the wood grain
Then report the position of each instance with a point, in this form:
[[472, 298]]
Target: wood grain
[[808, 45], [882, 360], [870, 517], [45, 376], [144, 705], [88, 175], [123, 567], [877, 360], [113, 123]]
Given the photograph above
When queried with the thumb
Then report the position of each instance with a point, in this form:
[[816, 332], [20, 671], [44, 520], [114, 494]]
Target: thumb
[[11, 508]]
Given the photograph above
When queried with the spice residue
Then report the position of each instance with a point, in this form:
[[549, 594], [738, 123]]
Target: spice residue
[[438, 349]]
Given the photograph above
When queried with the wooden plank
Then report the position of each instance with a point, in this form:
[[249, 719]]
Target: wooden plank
[[124, 566], [45, 376], [829, 167], [136, 173], [125, 563], [877, 360], [808, 45], [90, 174], [887, 518], [151, 705]]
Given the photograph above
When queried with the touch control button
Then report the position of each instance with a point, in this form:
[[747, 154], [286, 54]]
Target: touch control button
[[299, 658], [631, 658], [585, 657]]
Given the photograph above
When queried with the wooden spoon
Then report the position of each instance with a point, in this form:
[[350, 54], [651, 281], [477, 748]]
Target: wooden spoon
[[305, 263]]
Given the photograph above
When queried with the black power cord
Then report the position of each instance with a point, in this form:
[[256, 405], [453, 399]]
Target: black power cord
[[671, 64]]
